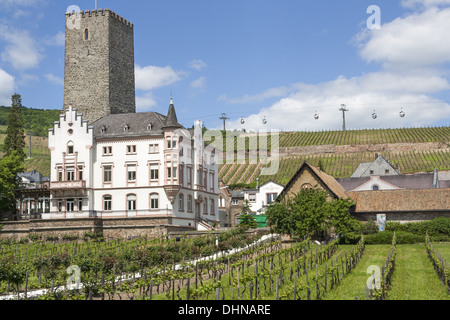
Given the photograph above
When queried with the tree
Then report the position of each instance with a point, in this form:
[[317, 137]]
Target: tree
[[15, 134], [10, 166], [247, 221], [312, 214]]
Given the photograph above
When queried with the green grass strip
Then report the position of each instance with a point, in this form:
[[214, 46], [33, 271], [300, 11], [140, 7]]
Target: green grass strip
[[414, 277]]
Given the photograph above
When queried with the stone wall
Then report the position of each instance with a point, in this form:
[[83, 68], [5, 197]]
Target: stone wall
[[391, 147], [402, 217], [113, 228]]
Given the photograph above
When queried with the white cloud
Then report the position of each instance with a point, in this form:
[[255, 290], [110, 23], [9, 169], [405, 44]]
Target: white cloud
[[414, 41], [413, 54], [414, 4], [54, 79], [6, 87], [24, 3], [145, 102], [21, 50], [58, 39], [197, 64], [199, 84], [152, 77], [296, 111]]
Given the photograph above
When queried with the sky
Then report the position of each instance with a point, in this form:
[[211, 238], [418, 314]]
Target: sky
[[283, 61]]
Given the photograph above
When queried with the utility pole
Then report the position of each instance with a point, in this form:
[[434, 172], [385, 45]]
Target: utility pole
[[224, 118], [343, 109]]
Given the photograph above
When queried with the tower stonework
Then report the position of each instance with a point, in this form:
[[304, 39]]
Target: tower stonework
[[99, 64]]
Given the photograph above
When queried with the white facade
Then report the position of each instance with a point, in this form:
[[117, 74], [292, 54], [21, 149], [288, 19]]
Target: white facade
[[376, 183], [261, 197], [162, 172]]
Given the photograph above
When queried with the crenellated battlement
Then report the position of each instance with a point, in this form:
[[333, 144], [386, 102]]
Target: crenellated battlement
[[103, 12]]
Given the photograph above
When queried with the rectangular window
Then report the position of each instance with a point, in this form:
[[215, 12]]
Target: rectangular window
[[131, 149], [154, 148], [169, 143], [252, 197], [169, 172], [107, 151], [189, 175], [205, 179], [131, 173], [60, 174], [60, 205], [174, 170], [107, 174], [70, 149], [70, 174], [80, 204], [154, 172], [205, 206], [212, 211], [199, 177], [80, 173], [154, 201], [181, 202], [107, 200], [271, 197], [70, 205], [189, 203]]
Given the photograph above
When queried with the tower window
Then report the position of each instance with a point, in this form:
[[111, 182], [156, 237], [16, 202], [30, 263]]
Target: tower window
[[86, 34]]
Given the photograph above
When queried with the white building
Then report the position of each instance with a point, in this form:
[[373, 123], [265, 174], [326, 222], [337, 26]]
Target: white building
[[132, 165], [262, 196]]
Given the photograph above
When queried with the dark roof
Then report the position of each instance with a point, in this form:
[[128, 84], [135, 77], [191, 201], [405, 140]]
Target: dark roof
[[137, 124], [237, 193], [33, 176], [171, 119]]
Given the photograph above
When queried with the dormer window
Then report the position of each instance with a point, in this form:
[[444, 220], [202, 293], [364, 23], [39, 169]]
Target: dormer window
[[103, 129], [149, 127], [70, 147], [126, 128]]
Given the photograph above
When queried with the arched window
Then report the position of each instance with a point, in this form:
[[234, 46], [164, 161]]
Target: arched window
[[375, 187], [154, 201], [131, 202], [70, 147], [86, 34]]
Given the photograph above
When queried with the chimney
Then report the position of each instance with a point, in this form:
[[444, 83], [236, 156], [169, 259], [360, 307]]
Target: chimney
[[257, 183]]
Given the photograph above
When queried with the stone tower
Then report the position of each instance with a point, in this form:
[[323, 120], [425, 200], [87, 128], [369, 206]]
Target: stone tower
[[99, 64]]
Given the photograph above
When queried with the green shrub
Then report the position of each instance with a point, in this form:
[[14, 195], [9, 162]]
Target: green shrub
[[385, 237], [438, 227], [370, 227]]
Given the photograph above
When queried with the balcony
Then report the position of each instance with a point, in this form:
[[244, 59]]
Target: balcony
[[67, 185]]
